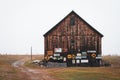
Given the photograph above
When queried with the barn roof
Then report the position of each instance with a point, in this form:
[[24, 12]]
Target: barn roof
[[72, 12]]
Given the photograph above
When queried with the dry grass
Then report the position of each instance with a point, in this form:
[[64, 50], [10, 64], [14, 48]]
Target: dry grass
[[113, 60], [29, 63], [37, 57], [86, 73], [8, 72], [90, 73]]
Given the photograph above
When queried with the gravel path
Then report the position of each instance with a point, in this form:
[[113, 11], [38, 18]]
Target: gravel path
[[34, 74]]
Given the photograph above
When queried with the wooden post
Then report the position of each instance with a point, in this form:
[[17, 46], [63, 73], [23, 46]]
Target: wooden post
[[31, 53]]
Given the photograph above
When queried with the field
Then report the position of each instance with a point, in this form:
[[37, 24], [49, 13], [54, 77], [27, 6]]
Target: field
[[8, 72], [87, 73], [90, 73]]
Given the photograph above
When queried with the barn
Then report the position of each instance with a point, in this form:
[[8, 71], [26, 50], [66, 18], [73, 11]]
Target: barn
[[73, 41]]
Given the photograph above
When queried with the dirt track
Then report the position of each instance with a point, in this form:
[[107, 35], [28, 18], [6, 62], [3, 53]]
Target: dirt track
[[33, 74]]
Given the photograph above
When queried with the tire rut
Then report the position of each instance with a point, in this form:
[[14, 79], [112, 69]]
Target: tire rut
[[34, 74]]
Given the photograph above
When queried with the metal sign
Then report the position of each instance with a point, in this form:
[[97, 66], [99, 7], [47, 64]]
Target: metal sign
[[58, 49], [98, 57], [78, 57], [84, 53], [83, 56], [91, 51], [77, 61], [73, 61], [69, 56], [64, 59], [56, 54], [93, 55], [78, 54], [73, 56], [84, 61], [49, 52]]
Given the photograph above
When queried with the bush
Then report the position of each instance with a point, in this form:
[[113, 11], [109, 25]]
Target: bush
[[105, 63]]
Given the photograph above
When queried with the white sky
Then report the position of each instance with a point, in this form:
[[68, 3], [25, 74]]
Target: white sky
[[23, 22]]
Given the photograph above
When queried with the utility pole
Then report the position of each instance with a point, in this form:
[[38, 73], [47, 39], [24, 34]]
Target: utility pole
[[31, 52]]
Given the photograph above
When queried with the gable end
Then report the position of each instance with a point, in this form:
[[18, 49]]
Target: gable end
[[72, 22]]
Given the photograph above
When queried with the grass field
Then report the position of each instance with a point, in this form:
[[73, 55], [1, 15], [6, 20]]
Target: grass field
[[8, 72], [87, 73], [90, 73]]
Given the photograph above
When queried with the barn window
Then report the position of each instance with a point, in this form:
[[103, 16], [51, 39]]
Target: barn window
[[72, 21]]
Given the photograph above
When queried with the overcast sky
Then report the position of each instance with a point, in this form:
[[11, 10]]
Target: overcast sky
[[23, 22]]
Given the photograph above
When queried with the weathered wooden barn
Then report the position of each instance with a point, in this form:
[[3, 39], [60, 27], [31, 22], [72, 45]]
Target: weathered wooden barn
[[73, 41]]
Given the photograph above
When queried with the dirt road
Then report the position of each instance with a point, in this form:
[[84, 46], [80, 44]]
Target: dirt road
[[33, 74]]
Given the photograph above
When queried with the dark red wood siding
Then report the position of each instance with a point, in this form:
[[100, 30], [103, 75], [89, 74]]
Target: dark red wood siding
[[85, 38]]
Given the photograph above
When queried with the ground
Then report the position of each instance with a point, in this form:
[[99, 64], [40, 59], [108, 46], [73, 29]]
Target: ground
[[7, 71], [12, 67], [33, 74]]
